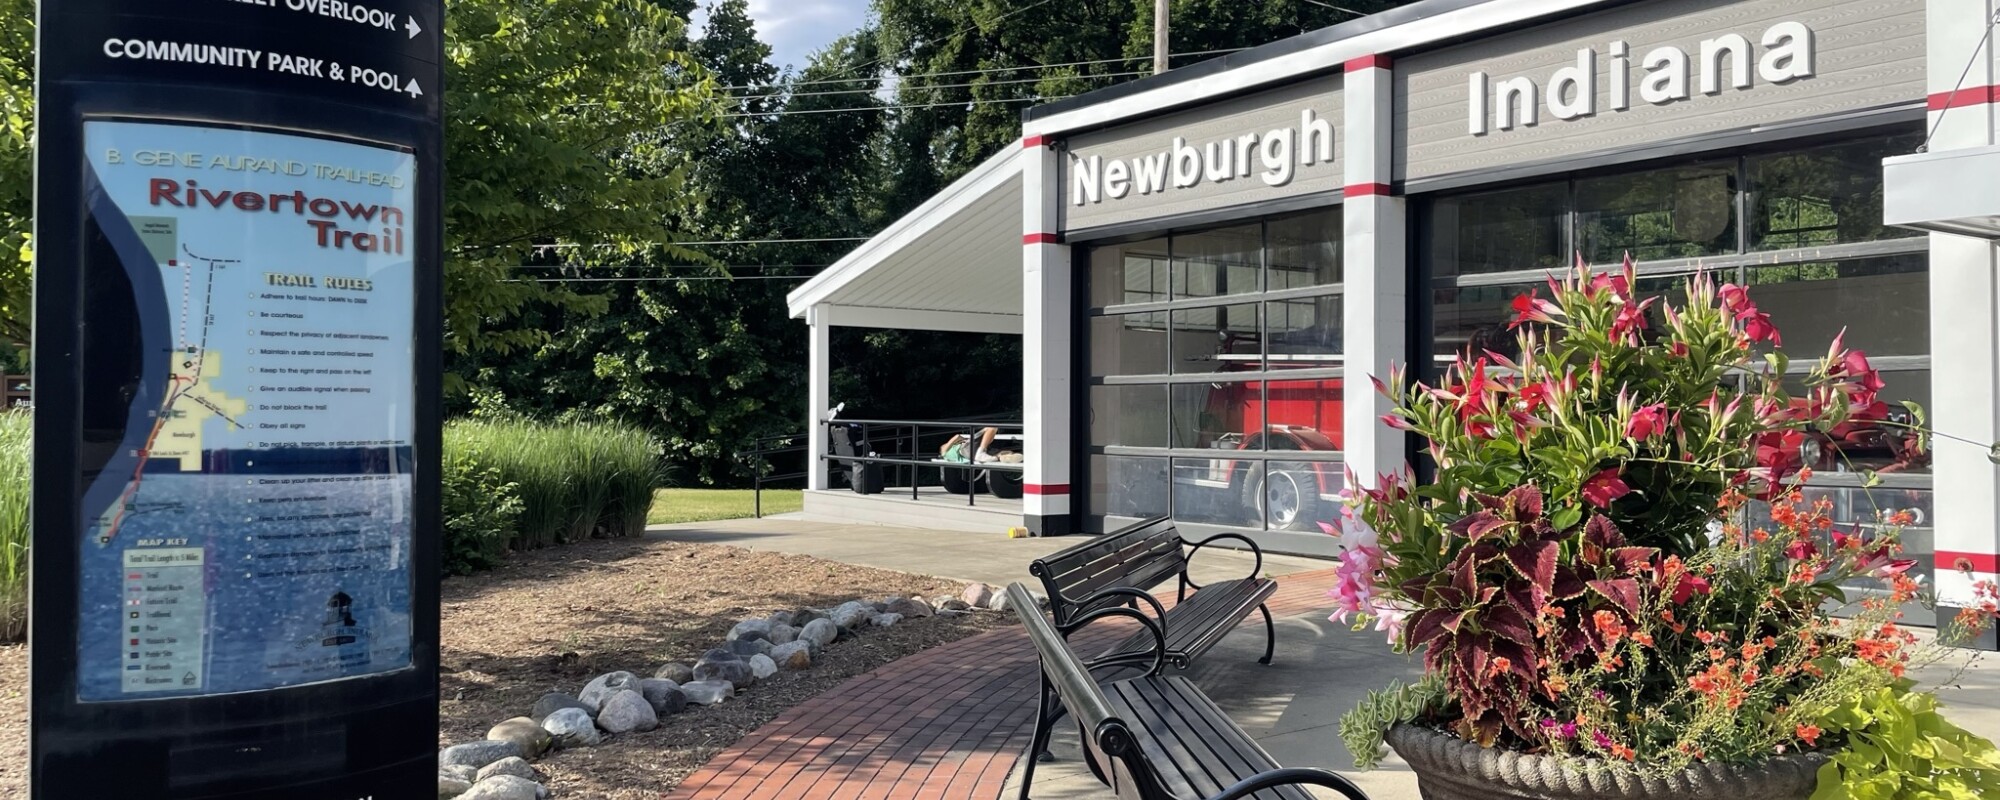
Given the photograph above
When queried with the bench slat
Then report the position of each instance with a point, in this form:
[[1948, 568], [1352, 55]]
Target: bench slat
[[1194, 748]]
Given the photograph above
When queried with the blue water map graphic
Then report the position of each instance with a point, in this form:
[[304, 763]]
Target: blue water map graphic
[[252, 530]]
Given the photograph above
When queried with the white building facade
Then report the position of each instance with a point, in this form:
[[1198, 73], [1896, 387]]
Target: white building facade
[[1213, 261]]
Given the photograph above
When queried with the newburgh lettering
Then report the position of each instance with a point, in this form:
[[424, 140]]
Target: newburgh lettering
[[1280, 153], [1724, 62]]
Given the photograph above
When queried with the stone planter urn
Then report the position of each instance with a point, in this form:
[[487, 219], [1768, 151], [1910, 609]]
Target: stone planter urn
[[1449, 768]]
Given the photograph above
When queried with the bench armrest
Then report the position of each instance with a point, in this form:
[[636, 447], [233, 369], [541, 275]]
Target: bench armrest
[[1195, 547], [1159, 633], [1159, 611], [1292, 776]]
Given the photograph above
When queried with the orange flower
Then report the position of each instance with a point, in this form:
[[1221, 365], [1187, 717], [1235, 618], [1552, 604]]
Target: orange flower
[[1809, 734]]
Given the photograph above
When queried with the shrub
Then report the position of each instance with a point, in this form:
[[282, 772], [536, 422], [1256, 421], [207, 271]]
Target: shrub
[[574, 481], [15, 437], [481, 512]]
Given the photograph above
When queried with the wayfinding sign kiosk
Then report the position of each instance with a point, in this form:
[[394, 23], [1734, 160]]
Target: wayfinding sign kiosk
[[237, 328]]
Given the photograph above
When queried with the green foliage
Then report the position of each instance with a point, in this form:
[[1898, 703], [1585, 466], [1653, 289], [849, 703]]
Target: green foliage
[[1900, 748], [15, 452], [552, 138], [1363, 728], [574, 481], [17, 169], [481, 509]]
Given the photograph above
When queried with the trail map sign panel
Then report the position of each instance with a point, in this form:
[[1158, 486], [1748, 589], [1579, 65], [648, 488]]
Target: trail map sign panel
[[238, 399], [252, 530]]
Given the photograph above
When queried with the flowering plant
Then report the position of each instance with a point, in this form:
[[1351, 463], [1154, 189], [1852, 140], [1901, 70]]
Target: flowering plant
[[1581, 576]]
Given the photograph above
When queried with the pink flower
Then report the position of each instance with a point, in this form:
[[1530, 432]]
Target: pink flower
[[1605, 487], [1688, 587], [1801, 549], [1734, 298], [1647, 421], [1357, 597], [1396, 421], [1757, 325]]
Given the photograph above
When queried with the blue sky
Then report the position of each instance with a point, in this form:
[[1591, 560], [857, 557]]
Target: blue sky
[[796, 28]]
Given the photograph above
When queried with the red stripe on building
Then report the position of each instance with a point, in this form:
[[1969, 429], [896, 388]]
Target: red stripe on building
[[1375, 61], [1365, 190], [1960, 562], [1967, 96], [1041, 238], [1033, 142], [1046, 488]]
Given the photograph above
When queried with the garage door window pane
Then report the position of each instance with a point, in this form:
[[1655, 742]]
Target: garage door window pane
[[1218, 339], [1127, 489], [1128, 344], [1129, 273], [1304, 249], [1502, 231], [1220, 262], [1303, 333], [1130, 416], [1685, 212]]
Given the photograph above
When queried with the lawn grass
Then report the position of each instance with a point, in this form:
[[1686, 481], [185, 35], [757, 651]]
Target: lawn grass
[[706, 505]]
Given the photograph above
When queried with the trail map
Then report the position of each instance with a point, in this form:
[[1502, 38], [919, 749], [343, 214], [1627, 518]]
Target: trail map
[[251, 529]]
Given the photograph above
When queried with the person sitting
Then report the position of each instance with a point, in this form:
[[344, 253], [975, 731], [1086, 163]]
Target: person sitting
[[954, 449]]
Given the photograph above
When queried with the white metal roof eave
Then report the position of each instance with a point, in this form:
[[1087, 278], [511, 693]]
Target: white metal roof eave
[[990, 176], [1409, 35]]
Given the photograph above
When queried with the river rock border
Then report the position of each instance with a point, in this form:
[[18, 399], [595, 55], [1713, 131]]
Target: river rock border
[[616, 703]]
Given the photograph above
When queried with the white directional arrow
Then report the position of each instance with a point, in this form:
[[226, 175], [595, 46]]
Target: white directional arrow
[[413, 89], [413, 27]]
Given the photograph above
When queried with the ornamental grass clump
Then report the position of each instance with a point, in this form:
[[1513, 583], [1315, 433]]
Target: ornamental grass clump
[[1579, 576]]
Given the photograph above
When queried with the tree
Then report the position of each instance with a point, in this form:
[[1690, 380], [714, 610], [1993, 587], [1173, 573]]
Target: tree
[[553, 106], [17, 168]]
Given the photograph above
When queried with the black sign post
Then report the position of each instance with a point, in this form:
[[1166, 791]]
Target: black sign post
[[237, 419]]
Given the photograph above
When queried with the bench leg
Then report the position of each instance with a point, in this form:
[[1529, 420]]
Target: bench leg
[[1053, 711], [1270, 635], [1038, 748]]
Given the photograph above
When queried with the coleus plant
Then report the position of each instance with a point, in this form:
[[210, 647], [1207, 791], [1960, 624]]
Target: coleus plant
[[1586, 490]]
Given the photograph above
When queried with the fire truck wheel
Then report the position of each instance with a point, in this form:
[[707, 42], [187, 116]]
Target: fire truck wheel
[[956, 481], [1006, 485], [1286, 498]]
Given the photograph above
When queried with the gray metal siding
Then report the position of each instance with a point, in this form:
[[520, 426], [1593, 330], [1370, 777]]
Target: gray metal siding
[[1868, 54], [1257, 113]]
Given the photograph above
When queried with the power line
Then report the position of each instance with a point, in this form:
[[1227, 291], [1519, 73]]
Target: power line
[[656, 279], [713, 243], [981, 71], [942, 86], [968, 29], [897, 107], [671, 266]]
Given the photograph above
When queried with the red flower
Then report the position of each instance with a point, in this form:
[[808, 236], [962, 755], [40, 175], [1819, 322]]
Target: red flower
[[1529, 308], [1647, 422], [1604, 487], [1757, 325], [1801, 549], [1809, 734], [1734, 298], [1688, 587]]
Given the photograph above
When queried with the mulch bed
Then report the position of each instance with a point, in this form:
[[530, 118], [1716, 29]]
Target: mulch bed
[[549, 621]]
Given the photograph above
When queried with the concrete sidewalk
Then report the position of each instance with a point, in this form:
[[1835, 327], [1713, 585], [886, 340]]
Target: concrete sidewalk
[[1292, 707]]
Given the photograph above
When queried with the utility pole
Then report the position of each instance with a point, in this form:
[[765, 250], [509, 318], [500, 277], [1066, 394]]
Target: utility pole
[[1159, 36]]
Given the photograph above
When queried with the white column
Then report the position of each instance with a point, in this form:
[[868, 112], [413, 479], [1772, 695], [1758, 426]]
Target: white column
[[1965, 315], [1374, 270], [1047, 394], [819, 387]]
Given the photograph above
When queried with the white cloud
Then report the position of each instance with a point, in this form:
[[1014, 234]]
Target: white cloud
[[797, 28]]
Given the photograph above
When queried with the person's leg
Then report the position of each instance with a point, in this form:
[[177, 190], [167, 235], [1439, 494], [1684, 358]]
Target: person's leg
[[985, 441]]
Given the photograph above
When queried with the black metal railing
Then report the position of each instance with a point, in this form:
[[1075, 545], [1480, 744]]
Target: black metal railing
[[903, 451]]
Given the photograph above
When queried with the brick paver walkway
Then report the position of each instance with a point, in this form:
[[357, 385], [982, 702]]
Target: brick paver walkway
[[944, 724]]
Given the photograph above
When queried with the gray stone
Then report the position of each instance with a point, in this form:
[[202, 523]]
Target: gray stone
[[504, 787], [708, 693], [999, 601], [749, 647], [881, 606], [952, 614], [977, 595], [477, 754], [760, 626], [449, 788], [820, 631], [626, 711], [718, 654], [781, 618], [551, 703], [676, 672], [852, 615], [762, 666], [909, 607], [459, 772], [953, 604], [664, 695], [793, 656], [734, 672], [526, 733], [783, 634], [805, 616], [572, 727], [517, 767], [593, 694], [887, 620]]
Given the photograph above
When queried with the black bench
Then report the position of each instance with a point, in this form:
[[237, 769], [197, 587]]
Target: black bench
[[1153, 737], [1119, 568]]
